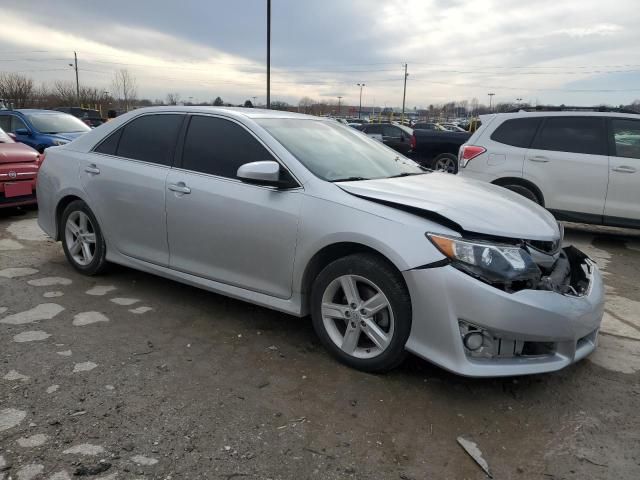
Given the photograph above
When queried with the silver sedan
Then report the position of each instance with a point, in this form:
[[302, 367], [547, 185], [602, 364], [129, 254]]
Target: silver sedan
[[307, 216]]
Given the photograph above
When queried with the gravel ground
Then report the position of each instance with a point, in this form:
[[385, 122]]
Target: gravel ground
[[129, 375]]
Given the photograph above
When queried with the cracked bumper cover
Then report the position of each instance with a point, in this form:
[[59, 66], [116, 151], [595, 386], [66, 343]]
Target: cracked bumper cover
[[441, 297]]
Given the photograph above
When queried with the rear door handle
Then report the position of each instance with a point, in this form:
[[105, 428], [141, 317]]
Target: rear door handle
[[179, 188], [624, 169], [92, 169], [539, 159]]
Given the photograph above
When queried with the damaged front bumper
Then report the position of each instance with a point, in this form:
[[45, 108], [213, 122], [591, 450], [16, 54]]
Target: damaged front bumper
[[524, 332]]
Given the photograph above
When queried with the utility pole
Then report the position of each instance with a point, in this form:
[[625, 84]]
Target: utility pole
[[74, 65], [268, 53], [491, 101], [339, 99], [404, 93], [361, 85]]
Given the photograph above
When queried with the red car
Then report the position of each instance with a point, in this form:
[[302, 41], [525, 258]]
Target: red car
[[19, 166]]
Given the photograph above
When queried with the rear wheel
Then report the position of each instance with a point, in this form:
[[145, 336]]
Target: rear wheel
[[524, 191], [361, 311], [82, 239], [446, 162]]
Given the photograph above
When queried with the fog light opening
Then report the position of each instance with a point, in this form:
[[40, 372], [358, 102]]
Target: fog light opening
[[473, 341]]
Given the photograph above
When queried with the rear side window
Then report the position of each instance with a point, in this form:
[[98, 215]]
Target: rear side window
[[517, 132], [110, 144], [150, 138], [626, 135], [572, 134], [219, 147], [5, 123]]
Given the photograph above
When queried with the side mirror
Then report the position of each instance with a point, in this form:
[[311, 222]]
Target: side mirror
[[12, 135], [261, 173], [22, 131]]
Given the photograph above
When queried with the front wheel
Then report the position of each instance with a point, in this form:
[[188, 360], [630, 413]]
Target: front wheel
[[361, 311], [446, 162], [82, 239]]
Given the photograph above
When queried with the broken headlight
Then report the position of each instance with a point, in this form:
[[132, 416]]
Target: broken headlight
[[493, 263]]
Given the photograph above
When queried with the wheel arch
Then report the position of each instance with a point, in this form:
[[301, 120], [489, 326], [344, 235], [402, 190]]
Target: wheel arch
[[62, 204], [523, 183], [328, 254]]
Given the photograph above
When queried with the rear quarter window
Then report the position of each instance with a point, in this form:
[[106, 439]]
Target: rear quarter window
[[584, 135], [517, 132]]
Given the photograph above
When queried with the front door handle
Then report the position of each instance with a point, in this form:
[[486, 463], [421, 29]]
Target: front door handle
[[179, 188], [539, 159], [624, 169], [92, 169]]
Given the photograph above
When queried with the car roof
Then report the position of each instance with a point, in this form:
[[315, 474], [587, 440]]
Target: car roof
[[33, 110], [230, 111], [564, 113]]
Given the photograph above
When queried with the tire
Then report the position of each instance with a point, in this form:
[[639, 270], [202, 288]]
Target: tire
[[446, 162], [368, 340], [525, 192], [90, 257]]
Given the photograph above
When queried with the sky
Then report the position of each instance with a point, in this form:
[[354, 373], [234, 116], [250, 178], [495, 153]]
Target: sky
[[576, 52]]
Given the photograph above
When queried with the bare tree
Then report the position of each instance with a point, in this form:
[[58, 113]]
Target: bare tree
[[124, 88], [305, 104], [15, 89], [64, 93], [173, 98]]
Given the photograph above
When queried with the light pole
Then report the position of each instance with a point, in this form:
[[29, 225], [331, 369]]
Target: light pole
[[339, 99], [361, 85], [74, 65], [491, 101], [404, 93]]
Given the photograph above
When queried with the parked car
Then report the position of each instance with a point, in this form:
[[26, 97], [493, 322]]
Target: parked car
[[392, 135], [427, 126], [304, 215], [438, 149], [452, 127], [19, 165], [41, 128], [582, 166], [91, 117]]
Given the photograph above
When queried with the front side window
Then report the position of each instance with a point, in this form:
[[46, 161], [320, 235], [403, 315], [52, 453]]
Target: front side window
[[572, 134], [16, 124], [150, 138], [52, 123], [517, 132], [626, 135], [335, 153], [219, 147]]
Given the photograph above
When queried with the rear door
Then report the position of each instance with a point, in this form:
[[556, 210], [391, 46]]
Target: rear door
[[568, 162], [221, 228], [622, 206], [124, 178]]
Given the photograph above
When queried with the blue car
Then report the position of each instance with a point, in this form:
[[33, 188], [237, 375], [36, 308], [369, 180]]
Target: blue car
[[41, 128]]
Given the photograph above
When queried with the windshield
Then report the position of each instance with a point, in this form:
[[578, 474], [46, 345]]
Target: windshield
[[337, 153], [4, 138], [56, 123]]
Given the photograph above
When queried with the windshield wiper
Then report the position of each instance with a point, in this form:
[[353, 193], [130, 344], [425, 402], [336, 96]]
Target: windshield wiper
[[407, 174], [349, 179]]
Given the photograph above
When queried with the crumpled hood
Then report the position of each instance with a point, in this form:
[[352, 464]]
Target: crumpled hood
[[476, 206]]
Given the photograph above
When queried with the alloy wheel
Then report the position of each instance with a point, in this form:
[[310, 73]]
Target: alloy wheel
[[447, 165], [357, 316], [80, 238]]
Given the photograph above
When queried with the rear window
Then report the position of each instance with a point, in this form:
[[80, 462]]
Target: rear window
[[572, 134], [517, 132]]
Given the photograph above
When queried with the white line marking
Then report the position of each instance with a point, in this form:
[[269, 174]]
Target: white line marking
[[87, 318], [31, 336], [100, 290], [49, 281], [84, 367], [44, 311], [124, 301], [17, 272]]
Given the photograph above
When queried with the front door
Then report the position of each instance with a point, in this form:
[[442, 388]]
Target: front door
[[221, 228], [125, 177], [568, 161], [623, 197]]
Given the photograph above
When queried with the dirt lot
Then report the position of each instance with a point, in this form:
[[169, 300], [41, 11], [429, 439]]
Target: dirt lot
[[129, 375]]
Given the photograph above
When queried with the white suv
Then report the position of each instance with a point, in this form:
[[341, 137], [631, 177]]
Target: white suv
[[582, 166]]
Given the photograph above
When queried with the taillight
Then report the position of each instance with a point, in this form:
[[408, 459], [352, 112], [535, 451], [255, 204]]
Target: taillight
[[468, 153], [413, 142]]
